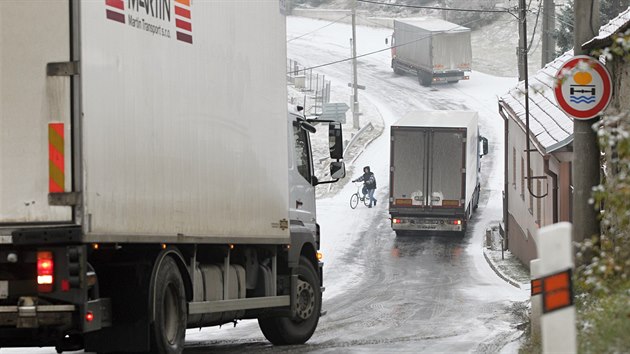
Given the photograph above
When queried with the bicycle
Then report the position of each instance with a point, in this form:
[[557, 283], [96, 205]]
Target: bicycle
[[354, 198]]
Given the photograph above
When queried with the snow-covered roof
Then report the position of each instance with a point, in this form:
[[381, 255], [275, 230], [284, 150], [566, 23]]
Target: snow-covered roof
[[616, 25], [550, 127]]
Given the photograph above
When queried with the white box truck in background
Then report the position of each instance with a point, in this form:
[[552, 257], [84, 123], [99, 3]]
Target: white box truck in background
[[432, 49], [151, 176], [434, 171]]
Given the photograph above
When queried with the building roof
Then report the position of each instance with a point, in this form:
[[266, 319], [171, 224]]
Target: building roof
[[618, 24], [550, 127]]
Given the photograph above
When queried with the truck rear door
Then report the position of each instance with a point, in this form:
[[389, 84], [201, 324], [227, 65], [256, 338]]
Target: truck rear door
[[35, 111], [408, 167], [452, 51], [446, 187]]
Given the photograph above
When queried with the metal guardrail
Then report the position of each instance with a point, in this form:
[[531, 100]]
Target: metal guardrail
[[354, 139]]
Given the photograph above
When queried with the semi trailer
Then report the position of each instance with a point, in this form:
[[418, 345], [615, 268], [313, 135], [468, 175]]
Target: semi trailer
[[434, 171], [434, 50], [152, 178]]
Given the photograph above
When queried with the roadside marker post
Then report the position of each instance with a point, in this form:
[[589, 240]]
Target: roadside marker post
[[536, 298], [555, 253]]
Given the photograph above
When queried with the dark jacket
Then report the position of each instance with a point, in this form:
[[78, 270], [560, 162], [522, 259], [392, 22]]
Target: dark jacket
[[368, 179]]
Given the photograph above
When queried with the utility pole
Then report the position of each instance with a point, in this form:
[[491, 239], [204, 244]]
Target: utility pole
[[548, 26], [355, 87], [520, 50], [586, 168]]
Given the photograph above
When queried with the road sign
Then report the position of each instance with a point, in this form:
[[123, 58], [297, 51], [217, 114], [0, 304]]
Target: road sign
[[334, 111], [584, 87]]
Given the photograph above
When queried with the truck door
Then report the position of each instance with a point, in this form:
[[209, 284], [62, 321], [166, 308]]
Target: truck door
[[35, 111], [409, 167], [302, 191], [447, 168]]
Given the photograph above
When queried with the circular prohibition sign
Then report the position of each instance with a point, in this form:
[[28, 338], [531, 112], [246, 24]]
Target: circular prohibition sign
[[583, 90]]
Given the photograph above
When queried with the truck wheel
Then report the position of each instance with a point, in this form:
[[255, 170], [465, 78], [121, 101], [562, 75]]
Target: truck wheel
[[169, 328], [424, 79], [297, 330]]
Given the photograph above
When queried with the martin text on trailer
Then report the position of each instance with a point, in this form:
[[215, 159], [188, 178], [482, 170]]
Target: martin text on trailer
[[152, 178]]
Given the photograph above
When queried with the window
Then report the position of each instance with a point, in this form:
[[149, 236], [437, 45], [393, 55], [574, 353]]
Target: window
[[522, 178], [531, 197], [538, 203], [302, 159], [514, 167]]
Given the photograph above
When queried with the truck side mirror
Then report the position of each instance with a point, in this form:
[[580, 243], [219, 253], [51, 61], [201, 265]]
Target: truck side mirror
[[337, 170], [386, 40], [484, 146], [335, 140]]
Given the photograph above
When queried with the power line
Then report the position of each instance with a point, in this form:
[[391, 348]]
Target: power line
[[434, 7], [382, 50], [535, 26], [313, 31]]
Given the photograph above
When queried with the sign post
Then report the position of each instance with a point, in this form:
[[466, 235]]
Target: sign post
[[334, 111]]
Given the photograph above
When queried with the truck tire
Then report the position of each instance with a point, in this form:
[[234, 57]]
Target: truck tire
[[424, 79], [169, 327], [297, 330], [397, 70]]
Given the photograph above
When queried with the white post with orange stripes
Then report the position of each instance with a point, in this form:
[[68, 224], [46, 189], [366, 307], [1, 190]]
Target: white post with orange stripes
[[536, 298], [555, 252]]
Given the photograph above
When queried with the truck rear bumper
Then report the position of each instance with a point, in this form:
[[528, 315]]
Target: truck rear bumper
[[416, 223], [449, 77], [33, 316]]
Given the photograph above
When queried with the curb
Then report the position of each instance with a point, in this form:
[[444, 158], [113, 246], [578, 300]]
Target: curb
[[509, 280]]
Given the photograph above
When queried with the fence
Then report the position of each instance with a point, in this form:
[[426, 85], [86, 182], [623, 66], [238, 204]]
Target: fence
[[315, 87]]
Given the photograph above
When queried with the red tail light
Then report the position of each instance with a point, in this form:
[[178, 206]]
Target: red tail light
[[45, 271], [396, 221], [457, 222]]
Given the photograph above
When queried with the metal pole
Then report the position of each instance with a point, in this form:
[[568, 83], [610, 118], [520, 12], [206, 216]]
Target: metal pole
[[586, 152], [355, 89], [520, 50], [548, 25]]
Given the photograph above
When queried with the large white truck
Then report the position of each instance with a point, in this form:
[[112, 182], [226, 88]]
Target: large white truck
[[152, 178], [434, 50], [434, 171]]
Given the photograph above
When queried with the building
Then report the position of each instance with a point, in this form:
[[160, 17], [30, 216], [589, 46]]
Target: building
[[542, 194]]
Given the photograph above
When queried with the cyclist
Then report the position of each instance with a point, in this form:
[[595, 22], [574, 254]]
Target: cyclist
[[369, 184]]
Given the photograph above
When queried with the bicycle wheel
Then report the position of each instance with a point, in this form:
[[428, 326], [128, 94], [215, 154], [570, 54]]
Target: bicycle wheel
[[354, 200]]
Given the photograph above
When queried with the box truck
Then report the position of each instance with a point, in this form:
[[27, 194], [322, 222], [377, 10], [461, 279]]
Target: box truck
[[434, 171], [152, 178], [434, 50]]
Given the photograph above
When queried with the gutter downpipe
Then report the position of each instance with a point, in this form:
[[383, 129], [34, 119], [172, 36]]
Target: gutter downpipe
[[554, 194], [506, 182]]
